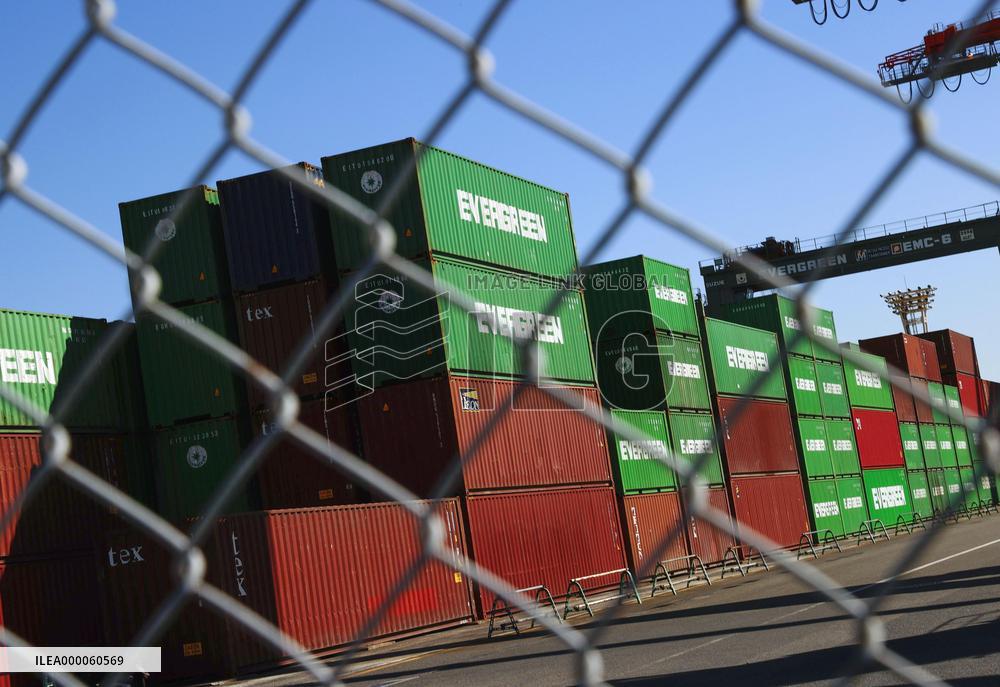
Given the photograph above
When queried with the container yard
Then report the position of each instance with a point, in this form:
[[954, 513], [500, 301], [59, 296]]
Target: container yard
[[402, 412]]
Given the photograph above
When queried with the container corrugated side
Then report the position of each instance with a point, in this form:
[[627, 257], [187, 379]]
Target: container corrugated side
[[453, 207], [832, 389], [929, 445], [953, 487], [742, 357], [181, 378], [969, 490], [913, 454], [843, 447], [758, 437], [963, 446], [639, 294], [546, 537], [413, 432], [648, 522], [868, 386], [936, 392], [805, 398], [693, 437], [853, 507], [773, 313], [824, 506], [815, 447], [191, 254], [924, 414], [902, 351], [877, 435], [888, 495], [920, 493], [399, 333], [639, 465], [938, 489], [952, 400], [128, 382], [956, 351], [946, 446], [932, 363], [648, 372], [825, 329], [968, 392], [986, 484], [772, 505], [902, 399], [706, 540]]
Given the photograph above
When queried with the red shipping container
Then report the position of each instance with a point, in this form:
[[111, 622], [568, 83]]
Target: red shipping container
[[902, 397], [59, 518], [924, 413], [413, 431], [931, 361], [759, 439], [956, 352], [649, 521], [900, 350], [985, 386], [771, 505], [546, 537], [294, 477], [968, 392], [877, 435], [706, 540]]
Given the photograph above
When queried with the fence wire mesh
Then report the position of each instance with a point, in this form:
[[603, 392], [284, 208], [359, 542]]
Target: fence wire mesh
[[188, 558]]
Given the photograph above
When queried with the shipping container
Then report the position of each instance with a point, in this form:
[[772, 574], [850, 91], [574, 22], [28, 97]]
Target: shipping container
[[182, 379], [938, 489], [773, 313], [707, 541], [193, 461], [273, 323], [843, 447], [744, 360], [128, 381], [693, 439], [639, 294], [910, 354], [929, 444], [936, 392], [924, 414], [825, 330], [276, 231], [771, 505], [291, 476], [853, 507], [59, 518], [963, 450], [413, 432], [815, 445], [952, 400], [654, 531], [953, 487], [191, 254], [639, 465], [920, 494], [970, 492], [913, 455], [968, 392], [902, 399], [877, 436], [398, 332], [451, 206], [946, 446], [802, 381], [956, 352], [868, 386], [888, 495], [986, 394], [650, 372], [985, 484], [757, 436], [929, 351], [547, 537], [832, 389], [41, 356], [824, 505]]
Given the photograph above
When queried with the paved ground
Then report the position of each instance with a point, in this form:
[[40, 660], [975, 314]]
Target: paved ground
[[764, 629]]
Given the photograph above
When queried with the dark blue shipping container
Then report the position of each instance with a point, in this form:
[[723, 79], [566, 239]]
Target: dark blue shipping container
[[275, 231]]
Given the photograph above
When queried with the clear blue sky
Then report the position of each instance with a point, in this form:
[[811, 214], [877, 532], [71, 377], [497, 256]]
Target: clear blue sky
[[766, 146]]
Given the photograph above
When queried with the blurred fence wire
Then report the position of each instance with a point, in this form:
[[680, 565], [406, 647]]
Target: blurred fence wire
[[636, 200]]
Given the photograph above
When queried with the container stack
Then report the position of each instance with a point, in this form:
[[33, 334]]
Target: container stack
[[537, 494], [751, 402], [821, 413]]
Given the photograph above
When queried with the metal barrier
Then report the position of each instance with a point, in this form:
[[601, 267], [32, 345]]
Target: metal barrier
[[735, 553], [663, 568], [500, 606], [988, 507], [574, 587], [873, 530], [908, 524], [809, 540]]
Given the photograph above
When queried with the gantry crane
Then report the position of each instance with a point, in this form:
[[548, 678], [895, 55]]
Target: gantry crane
[[948, 51]]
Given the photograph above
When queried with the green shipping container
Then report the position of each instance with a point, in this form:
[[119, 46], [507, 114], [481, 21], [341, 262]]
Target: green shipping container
[[638, 467], [912, 454], [939, 490], [192, 462], [773, 313], [40, 357], [986, 484], [920, 493], [843, 449], [805, 388], [398, 332], [867, 388], [693, 436], [452, 207], [963, 448], [929, 444], [953, 486], [743, 356], [887, 494], [953, 401], [634, 373], [969, 490], [946, 446], [639, 294], [191, 257], [853, 509], [832, 389], [824, 329], [128, 380], [936, 392], [182, 380], [824, 506], [815, 446]]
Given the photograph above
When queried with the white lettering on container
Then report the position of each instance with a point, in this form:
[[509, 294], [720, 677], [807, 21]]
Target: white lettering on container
[[920, 493], [842, 445], [649, 449], [815, 445], [518, 324], [805, 384], [27, 367], [746, 359], [833, 388], [665, 293], [852, 503], [888, 497], [687, 370], [792, 323], [911, 445], [826, 509], [868, 379], [696, 447], [496, 215]]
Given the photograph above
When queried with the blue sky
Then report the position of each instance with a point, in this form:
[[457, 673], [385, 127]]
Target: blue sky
[[766, 145]]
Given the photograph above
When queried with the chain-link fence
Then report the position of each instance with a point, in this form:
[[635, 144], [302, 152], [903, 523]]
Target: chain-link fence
[[185, 547]]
